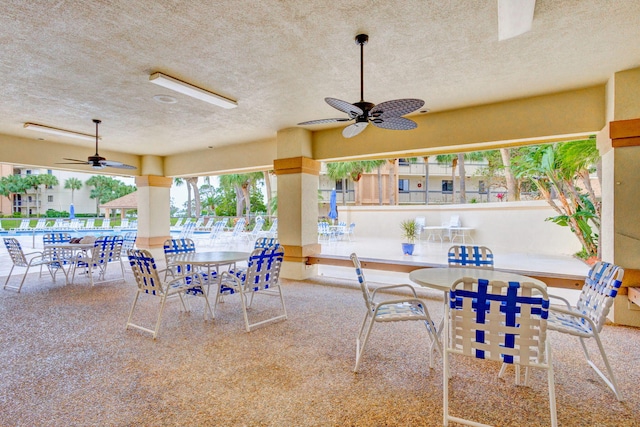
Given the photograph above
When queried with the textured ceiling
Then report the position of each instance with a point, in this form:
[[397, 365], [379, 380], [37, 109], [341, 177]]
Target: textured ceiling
[[65, 62]]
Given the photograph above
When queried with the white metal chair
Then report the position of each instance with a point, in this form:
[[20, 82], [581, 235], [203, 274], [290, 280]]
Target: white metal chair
[[499, 321], [470, 256], [392, 310], [148, 280], [587, 318], [33, 259], [262, 274], [448, 227], [105, 249]]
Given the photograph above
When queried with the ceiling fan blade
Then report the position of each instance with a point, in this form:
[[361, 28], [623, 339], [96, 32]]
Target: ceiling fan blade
[[321, 121], [354, 129], [345, 107], [118, 165], [396, 108], [76, 162], [394, 123]]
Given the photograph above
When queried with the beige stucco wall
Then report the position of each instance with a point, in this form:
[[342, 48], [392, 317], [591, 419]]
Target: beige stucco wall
[[514, 226]]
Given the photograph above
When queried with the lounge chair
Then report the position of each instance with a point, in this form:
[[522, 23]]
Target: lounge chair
[[24, 226], [106, 224]]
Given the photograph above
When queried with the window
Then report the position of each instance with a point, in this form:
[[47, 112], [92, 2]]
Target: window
[[339, 185], [481, 187], [49, 171], [30, 199], [50, 199], [403, 185], [403, 162], [447, 186], [28, 171]]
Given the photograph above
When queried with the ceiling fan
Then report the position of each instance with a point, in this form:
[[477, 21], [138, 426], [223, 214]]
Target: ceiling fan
[[386, 115], [96, 161]]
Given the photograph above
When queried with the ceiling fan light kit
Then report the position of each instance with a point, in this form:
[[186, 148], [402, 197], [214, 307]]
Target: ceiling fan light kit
[[184, 88], [97, 161], [386, 115], [60, 132]]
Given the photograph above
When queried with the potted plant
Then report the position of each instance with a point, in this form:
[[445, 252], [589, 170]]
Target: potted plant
[[409, 233]]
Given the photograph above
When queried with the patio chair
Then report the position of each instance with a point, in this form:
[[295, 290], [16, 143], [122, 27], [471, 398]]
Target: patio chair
[[90, 224], [262, 274], [272, 231], [41, 224], [177, 225], [148, 280], [237, 231], [106, 224], [253, 234], [123, 224], [448, 227], [470, 256], [397, 309], [587, 318], [498, 321], [324, 231], [20, 259], [214, 234], [105, 249], [187, 230], [176, 247], [348, 231], [128, 242], [24, 225]]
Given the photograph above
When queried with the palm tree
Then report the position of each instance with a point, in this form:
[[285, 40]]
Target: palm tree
[[72, 184], [242, 184], [49, 181], [339, 171], [193, 182], [12, 185], [555, 170], [392, 181]]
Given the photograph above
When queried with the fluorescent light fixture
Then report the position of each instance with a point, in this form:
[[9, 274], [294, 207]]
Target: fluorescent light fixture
[[61, 132], [515, 17], [190, 90]]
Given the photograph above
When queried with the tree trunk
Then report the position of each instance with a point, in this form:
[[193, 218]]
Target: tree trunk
[[513, 194], [267, 186], [344, 191], [392, 182], [462, 173], [454, 164], [193, 182]]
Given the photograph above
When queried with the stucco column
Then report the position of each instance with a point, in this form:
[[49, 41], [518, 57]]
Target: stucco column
[[619, 145], [298, 180], [154, 203]]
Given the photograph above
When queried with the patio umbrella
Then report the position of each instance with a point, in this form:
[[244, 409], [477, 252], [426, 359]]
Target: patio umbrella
[[333, 208], [72, 211]]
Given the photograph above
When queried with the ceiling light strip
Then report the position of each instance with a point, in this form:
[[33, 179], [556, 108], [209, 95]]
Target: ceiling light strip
[[60, 132], [190, 90]]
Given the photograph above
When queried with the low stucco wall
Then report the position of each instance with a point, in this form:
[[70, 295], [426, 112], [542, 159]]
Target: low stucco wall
[[514, 226]]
